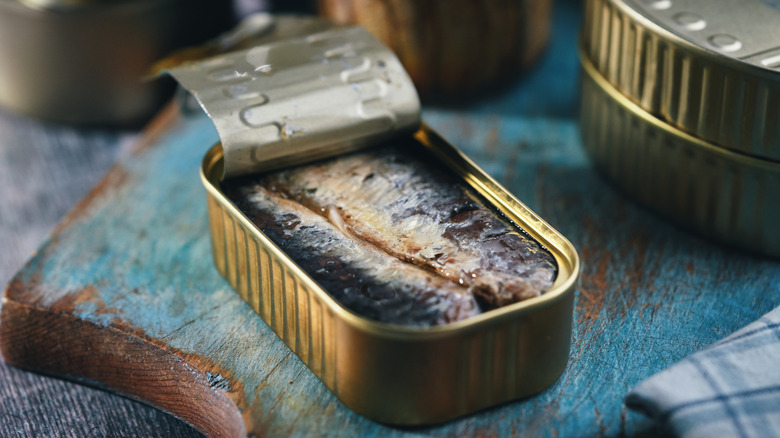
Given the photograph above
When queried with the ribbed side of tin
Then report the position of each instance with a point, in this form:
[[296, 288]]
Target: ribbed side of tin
[[292, 311], [729, 196], [711, 97], [505, 363]]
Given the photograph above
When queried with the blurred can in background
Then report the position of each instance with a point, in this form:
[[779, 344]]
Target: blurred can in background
[[455, 47], [681, 110], [83, 61]]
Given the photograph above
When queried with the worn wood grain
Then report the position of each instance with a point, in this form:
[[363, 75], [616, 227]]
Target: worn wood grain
[[124, 294], [44, 169]]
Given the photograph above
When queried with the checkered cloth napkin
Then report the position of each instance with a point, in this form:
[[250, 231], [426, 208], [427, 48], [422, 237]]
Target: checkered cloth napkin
[[729, 389]]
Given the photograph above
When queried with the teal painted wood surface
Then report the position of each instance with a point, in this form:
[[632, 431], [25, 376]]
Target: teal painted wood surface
[[132, 264]]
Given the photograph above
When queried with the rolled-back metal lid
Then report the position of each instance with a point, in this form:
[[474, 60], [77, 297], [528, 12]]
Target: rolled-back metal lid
[[709, 68], [302, 98]]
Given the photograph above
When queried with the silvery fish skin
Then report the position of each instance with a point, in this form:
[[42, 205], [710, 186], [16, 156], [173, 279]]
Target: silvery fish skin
[[390, 197], [364, 279]]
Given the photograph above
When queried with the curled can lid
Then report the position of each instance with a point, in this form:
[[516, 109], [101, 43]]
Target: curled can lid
[[709, 68], [302, 98]]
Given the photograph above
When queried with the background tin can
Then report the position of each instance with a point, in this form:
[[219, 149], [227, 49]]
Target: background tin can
[[681, 109], [84, 61], [454, 48]]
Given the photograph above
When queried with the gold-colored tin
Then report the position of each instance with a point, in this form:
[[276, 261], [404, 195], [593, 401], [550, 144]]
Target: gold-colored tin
[[730, 196], [398, 374], [710, 69]]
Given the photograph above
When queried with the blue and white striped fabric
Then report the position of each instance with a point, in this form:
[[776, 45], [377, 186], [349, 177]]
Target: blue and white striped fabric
[[729, 389]]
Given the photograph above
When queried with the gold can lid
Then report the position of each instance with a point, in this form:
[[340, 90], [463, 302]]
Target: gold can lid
[[711, 69]]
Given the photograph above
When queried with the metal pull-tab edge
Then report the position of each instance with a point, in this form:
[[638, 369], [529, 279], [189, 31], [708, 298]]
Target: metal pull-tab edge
[[302, 99]]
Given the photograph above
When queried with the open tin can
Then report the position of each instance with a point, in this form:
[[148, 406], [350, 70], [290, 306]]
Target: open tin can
[[396, 374], [392, 373], [681, 109]]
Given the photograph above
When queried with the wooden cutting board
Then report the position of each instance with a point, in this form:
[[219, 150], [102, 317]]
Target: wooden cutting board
[[124, 295]]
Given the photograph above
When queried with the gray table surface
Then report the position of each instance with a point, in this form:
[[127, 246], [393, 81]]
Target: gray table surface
[[44, 169]]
